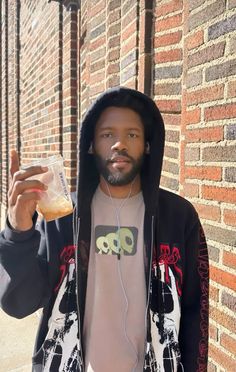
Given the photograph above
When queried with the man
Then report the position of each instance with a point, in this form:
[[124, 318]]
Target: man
[[127, 288]]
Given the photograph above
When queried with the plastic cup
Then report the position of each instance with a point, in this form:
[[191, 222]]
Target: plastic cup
[[55, 202]]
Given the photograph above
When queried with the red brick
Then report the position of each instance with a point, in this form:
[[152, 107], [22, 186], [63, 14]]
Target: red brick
[[220, 112], [206, 94], [213, 332], [168, 72], [170, 167], [129, 17], [170, 183], [168, 23], [191, 190], [113, 68], [101, 5], [219, 153], [172, 119], [171, 152], [97, 76], [94, 90], [209, 212], [214, 253], [113, 4], [171, 6], [114, 41], [114, 55], [223, 194], [128, 31], [230, 174], [114, 16], [127, 5], [131, 44], [143, 31], [221, 70], [214, 293], [168, 39], [207, 54], [223, 319], [97, 43], [168, 56], [131, 83], [113, 81], [219, 234], [232, 89], [172, 106], [205, 134], [229, 217], [222, 359], [206, 14], [204, 173], [192, 116], [97, 54], [195, 4], [228, 300], [195, 40], [167, 89], [172, 135], [113, 30], [229, 259], [96, 21], [144, 78], [219, 276], [228, 343]]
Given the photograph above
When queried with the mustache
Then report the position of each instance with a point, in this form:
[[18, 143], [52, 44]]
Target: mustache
[[119, 153]]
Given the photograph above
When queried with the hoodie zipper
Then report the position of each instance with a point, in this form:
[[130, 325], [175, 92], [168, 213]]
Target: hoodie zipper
[[76, 236], [149, 283]]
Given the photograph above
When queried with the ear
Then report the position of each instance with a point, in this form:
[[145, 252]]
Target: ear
[[90, 150], [147, 148]]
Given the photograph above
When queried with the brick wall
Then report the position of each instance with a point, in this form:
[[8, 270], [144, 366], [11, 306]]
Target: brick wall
[[56, 58], [167, 83], [207, 154]]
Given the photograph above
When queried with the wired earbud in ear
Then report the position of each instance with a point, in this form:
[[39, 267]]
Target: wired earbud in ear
[[147, 148], [90, 150]]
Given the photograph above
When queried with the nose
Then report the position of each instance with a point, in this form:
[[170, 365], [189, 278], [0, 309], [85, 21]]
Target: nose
[[119, 145]]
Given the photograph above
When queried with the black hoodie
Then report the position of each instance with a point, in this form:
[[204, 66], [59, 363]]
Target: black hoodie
[[34, 263]]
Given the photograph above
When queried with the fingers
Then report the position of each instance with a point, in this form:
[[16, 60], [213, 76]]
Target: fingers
[[23, 174], [14, 162], [33, 196], [21, 187], [20, 215], [19, 175]]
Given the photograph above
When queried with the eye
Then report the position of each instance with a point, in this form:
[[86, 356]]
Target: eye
[[132, 135], [106, 135]]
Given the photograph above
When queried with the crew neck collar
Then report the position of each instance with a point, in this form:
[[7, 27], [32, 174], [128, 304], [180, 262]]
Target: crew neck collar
[[107, 199]]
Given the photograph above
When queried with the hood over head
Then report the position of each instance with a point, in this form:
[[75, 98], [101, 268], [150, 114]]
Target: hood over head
[[88, 176]]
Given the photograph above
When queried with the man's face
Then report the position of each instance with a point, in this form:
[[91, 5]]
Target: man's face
[[119, 145]]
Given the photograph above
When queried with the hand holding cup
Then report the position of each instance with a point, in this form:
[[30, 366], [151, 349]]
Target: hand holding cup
[[24, 193]]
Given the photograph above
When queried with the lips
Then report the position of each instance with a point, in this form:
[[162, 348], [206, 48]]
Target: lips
[[120, 159], [119, 162]]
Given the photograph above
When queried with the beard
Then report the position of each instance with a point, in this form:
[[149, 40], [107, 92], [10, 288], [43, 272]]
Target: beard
[[118, 177]]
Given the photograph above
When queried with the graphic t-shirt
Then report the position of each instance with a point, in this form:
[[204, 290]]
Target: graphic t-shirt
[[114, 322], [61, 348]]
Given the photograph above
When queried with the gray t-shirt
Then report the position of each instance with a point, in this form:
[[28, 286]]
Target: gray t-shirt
[[114, 322]]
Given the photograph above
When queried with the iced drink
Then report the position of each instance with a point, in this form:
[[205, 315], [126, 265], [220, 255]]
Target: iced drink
[[56, 201]]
